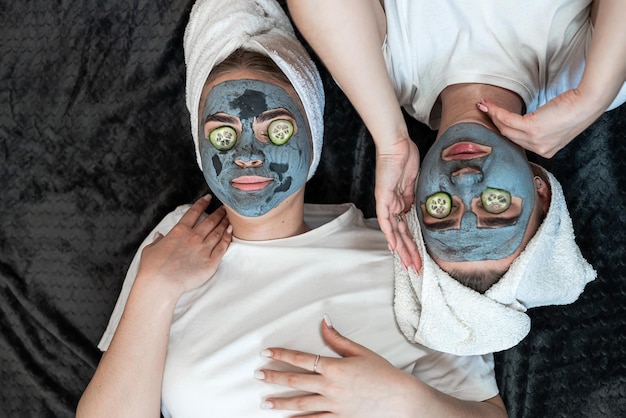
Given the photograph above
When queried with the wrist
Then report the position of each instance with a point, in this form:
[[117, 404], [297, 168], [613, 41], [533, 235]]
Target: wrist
[[159, 291], [392, 133], [396, 144], [416, 397]]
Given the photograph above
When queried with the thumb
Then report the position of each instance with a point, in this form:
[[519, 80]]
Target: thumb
[[340, 344], [511, 125], [492, 110]]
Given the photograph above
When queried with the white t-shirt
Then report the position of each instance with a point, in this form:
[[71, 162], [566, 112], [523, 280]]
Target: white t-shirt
[[535, 48], [275, 293]]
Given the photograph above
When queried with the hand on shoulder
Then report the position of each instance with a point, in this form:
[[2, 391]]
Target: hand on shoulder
[[189, 254]]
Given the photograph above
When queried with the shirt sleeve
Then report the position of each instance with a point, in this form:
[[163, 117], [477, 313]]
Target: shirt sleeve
[[163, 227], [469, 378]]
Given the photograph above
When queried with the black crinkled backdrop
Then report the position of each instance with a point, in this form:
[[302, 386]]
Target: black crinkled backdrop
[[95, 149]]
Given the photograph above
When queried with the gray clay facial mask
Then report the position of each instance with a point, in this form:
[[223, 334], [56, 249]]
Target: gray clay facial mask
[[265, 146], [504, 168]]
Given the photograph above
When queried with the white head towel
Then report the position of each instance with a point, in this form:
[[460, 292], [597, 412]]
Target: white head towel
[[217, 28], [435, 310]]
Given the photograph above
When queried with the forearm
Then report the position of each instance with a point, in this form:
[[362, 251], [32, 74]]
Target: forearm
[[127, 382], [427, 401], [605, 69], [347, 35]]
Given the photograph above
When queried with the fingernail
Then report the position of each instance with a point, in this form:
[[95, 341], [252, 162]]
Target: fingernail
[[327, 320], [267, 353], [229, 229], [482, 107], [207, 197], [267, 405], [259, 374], [390, 249]]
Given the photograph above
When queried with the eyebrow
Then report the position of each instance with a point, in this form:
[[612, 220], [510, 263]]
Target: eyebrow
[[272, 114], [440, 225], [496, 222], [220, 117]]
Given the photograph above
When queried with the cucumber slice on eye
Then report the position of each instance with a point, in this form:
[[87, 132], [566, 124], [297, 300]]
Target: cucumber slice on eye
[[439, 205], [280, 131], [223, 138], [495, 200]]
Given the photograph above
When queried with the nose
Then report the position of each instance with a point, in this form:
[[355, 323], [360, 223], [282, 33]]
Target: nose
[[468, 221], [247, 153], [467, 176], [251, 162]]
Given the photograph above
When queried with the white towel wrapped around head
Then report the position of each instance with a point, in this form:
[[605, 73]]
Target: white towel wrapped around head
[[217, 28], [435, 310]]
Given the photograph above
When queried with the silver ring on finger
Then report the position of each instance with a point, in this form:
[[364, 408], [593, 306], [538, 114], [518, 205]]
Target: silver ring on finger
[[399, 218], [317, 360]]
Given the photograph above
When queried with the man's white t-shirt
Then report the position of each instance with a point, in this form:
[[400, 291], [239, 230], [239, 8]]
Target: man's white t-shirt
[[275, 293], [536, 48]]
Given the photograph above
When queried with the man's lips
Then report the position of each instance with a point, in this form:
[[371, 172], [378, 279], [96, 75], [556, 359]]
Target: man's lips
[[251, 183], [465, 151]]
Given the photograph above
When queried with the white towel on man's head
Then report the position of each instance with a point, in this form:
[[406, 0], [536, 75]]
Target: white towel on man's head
[[435, 310], [218, 28]]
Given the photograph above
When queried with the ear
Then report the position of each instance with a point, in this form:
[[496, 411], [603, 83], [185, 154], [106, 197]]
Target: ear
[[542, 187], [544, 192]]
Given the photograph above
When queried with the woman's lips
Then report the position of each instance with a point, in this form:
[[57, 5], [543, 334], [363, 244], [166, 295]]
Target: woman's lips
[[251, 183], [465, 151]]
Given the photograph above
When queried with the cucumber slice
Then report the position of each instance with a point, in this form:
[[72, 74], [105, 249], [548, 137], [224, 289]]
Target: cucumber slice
[[223, 138], [495, 200], [280, 131], [439, 205]]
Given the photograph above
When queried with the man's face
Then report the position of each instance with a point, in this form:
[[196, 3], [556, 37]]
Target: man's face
[[255, 145], [485, 183]]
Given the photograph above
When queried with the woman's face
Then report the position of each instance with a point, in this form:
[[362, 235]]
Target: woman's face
[[255, 144], [473, 166]]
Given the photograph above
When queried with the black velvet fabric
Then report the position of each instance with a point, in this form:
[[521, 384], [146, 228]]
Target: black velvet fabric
[[573, 362], [95, 149]]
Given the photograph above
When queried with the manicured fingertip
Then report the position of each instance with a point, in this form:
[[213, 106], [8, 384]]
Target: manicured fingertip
[[405, 264], [229, 229], [482, 107], [267, 405], [327, 321], [267, 353], [259, 374], [207, 197]]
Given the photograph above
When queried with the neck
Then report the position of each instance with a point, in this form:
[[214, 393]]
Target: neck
[[458, 104], [285, 220]]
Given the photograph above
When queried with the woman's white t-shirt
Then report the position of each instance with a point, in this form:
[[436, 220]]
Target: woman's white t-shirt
[[536, 48], [275, 293]]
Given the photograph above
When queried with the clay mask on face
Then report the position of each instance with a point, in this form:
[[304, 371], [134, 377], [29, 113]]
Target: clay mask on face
[[267, 173], [504, 168]]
